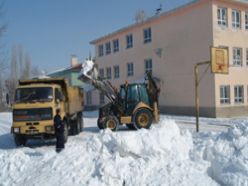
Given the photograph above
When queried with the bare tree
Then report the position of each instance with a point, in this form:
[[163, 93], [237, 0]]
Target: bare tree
[[3, 65], [27, 65]]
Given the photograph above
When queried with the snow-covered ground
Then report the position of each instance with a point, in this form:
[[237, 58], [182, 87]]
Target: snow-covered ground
[[170, 153]]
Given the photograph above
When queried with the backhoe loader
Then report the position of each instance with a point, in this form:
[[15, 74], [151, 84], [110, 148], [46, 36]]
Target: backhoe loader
[[135, 105]]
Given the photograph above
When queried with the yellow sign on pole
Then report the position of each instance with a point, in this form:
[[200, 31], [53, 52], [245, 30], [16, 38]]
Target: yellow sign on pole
[[219, 60]]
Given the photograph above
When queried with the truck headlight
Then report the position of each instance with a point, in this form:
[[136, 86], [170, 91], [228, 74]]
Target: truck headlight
[[49, 128], [16, 130]]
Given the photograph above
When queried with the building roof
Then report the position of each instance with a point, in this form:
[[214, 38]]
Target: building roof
[[150, 19]]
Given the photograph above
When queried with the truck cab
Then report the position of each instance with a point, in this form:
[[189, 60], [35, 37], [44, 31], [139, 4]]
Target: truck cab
[[35, 106]]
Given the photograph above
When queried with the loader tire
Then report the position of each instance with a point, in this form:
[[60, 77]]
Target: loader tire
[[20, 140], [111, 122], [143, 119]]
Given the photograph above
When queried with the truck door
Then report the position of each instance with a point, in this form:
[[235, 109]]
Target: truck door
[[59, 99]]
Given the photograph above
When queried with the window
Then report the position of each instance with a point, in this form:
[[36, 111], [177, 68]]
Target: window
[[222, 17], [116, 45], [129, 39], [88, 98], [147, 35], [225, 94], [108, 48], [236, 21], [247, 56], [108, 73], [239, 94], [148, 65], [101, 98], [116, 71], [246, 20], [130, 69], [100, 50], [237, 56], [101, 73]]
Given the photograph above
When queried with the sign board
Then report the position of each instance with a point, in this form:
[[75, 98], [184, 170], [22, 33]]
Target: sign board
[[219, 60]]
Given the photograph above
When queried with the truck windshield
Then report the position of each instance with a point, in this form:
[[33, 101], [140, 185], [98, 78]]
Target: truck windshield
[[37, 94]]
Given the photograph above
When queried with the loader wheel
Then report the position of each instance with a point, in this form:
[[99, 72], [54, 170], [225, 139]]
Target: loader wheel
[[20, 140], [100, 124], [65, 131], [142, 119], [111, 122]]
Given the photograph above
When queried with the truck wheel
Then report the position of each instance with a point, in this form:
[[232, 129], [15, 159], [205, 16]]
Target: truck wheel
[[111, 122], [78, 125], [81, 122], [65, 131], [74, 127], [130, 126], [142, 119], [20, 140]]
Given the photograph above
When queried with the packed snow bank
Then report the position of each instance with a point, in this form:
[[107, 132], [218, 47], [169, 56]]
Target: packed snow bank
[[159, 156], [163, 155], [227, 152]]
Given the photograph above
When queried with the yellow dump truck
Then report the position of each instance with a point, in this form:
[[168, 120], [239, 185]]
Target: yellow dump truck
[[35, 106]]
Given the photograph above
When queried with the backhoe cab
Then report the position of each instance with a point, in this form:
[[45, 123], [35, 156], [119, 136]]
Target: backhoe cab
[[135, 105]]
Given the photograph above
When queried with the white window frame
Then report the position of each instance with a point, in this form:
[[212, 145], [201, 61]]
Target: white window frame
[[238, 94], [246, 20], [116, 45], [100, 50], [107, 48], [225, 94], [89, 98], [148, 65], [147, 33], [116, 71], [236, 19], [130, 69], [222, 17], [129, 41], [237, 59], [108, 73]]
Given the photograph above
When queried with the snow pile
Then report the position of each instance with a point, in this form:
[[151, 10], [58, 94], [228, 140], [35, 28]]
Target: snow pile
[[159, 156], [228, 154], [163, 155]]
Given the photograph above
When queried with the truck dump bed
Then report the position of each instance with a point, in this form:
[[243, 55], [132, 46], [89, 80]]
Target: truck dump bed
[[75, 100]]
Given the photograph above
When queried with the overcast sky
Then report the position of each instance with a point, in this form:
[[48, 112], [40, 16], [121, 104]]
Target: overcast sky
[[52, 30]]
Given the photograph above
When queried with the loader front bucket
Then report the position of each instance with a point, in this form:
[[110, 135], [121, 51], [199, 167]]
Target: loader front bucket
[[89, 72]]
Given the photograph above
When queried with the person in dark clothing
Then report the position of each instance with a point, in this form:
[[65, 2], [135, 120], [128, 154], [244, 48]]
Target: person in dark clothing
[[59, 131]]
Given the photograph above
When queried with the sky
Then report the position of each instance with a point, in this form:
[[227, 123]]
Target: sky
[[51, 31]]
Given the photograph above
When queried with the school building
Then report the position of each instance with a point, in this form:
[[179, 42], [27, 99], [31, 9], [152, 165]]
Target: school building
[[169, 44]]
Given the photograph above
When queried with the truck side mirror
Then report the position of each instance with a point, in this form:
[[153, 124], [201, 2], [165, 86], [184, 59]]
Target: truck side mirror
[[57, 101]]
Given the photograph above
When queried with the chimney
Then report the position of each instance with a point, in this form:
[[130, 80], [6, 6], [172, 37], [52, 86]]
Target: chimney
[[74, 60]]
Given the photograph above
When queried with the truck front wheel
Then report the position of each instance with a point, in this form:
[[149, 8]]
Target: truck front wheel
[[20, 140]]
